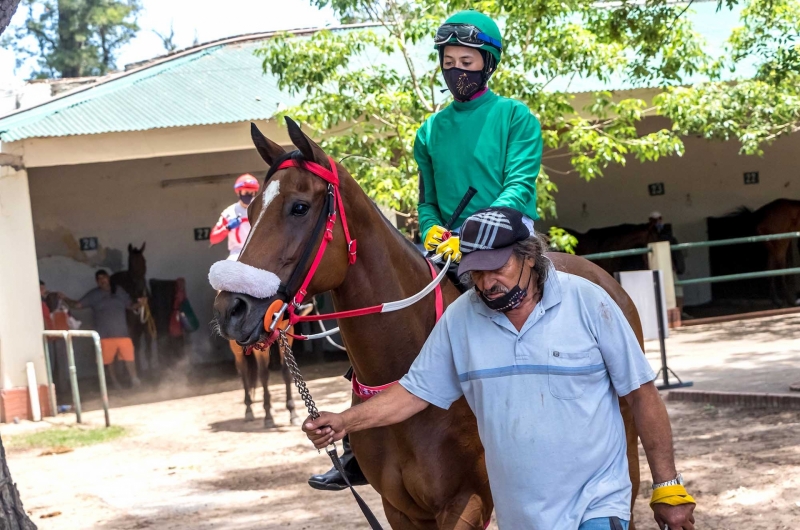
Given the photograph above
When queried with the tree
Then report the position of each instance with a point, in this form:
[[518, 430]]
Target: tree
[[369, 89], [168, 39], [74, 38], [7, 10], [12, 514]]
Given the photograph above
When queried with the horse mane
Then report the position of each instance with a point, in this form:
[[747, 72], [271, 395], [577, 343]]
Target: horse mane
[[741, 211]]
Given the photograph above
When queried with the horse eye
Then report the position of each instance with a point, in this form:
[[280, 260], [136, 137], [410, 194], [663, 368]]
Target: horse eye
[[300, 209]]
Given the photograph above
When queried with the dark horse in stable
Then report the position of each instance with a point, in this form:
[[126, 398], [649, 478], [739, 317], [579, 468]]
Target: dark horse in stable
[[777, 217], [430, 470], [133, 282], [625, 237]]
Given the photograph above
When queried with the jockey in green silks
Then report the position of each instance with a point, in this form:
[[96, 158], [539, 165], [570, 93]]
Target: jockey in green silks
[[483, 140], [491, 143]]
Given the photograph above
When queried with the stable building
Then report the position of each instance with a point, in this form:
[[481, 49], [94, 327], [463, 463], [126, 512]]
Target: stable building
[[151, 154]]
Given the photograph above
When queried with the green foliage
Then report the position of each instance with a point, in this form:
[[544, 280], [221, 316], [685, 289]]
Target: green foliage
[[74, 38], [365, 91], [561, 240], [71, 437]]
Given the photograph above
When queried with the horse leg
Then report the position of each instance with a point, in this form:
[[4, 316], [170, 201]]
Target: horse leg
[[287, 379], [243, 367], [262, 358]]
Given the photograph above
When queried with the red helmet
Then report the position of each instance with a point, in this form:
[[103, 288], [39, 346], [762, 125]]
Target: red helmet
[[246, 182]]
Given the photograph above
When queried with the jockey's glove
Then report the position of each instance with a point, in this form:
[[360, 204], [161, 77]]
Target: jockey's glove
[[450, 248], [435, 236], [234, 223]]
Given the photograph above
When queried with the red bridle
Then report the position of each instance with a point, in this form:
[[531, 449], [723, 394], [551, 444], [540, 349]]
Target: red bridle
[[273, 322], [331, 176]]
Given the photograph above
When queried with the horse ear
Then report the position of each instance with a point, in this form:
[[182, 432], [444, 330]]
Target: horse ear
[[144, 243], [311, 151], [130, 248], [269, 150]]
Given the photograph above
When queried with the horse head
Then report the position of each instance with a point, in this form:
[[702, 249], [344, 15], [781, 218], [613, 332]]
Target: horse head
[[286, 217], [137, 269]]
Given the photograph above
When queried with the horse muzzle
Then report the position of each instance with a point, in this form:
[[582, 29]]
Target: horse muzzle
[[240, 317]]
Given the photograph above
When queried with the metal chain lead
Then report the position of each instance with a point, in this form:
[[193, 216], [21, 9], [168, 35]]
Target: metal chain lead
[[299, 382]]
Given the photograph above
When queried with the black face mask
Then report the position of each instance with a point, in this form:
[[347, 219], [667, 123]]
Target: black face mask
[[464, 84], [509, 301], [246, 199]]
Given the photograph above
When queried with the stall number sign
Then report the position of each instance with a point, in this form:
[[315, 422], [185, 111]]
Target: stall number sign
[[88, 243], [751, 177], [202, 234], [657, 188]]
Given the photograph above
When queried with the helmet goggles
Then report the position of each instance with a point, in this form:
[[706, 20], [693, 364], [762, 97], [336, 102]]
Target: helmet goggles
[[466, 35]]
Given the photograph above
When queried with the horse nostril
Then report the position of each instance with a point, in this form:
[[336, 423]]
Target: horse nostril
[[238, 308]]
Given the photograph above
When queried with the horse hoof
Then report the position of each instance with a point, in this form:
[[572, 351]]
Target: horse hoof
[[295, 420], [269, 423], [248, 416]]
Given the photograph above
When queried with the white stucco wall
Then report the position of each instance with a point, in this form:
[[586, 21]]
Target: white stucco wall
[[21, 322], [124, 202], [707, 181]]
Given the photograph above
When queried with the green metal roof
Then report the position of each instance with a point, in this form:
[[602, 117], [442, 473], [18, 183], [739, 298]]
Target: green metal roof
[[224, 83], [220, 84]]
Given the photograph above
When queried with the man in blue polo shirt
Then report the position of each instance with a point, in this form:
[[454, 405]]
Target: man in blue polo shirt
[[558, 349]]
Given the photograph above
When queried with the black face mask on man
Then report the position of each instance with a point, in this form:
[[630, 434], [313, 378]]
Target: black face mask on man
[[464, 84], [246, 199], [511, 299]]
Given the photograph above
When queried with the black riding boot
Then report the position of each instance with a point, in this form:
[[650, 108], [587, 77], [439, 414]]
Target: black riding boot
[[333, 480]]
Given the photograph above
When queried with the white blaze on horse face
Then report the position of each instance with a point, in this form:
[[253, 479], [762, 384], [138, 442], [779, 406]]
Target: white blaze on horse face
[[272, 191]]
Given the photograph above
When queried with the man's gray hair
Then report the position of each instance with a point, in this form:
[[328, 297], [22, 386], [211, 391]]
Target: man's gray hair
[[534, 248]]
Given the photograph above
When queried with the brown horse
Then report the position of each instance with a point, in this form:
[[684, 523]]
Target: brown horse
[[778, 217], [133, 282], [430, 469]]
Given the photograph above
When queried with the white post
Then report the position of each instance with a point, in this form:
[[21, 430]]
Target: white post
[[33, 392], [660, 258]]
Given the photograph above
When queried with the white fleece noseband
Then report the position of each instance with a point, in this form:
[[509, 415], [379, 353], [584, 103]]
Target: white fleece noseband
[[238, 277]]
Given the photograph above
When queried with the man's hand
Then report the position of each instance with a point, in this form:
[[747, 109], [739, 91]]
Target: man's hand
[[450, 248], [674, 517], [325, 430], [434, 237], [234, 223]]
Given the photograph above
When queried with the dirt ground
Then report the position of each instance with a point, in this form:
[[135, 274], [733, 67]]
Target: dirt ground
[[193, 463]]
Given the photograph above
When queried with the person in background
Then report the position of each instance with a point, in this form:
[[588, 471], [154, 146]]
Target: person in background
[[233, 223], [48, 321], [55, 320], [664, 232], [110, 322]]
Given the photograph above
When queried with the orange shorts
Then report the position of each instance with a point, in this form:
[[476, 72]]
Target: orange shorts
[[110, 347]]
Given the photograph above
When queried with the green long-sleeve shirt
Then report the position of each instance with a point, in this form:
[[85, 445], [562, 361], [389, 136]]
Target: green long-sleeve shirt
[[491, 143]]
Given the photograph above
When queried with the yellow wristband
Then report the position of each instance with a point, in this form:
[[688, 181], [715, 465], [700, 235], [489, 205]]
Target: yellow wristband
[[672, 495]]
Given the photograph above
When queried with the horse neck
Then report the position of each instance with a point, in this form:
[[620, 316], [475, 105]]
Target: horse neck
[[382, 347]]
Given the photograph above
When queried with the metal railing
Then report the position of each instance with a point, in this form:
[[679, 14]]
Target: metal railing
[[706, 244], [617, 253], [73, 372], [735, 241], [742, 275]]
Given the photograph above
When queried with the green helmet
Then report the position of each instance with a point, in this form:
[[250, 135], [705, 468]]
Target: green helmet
[[458, 30]]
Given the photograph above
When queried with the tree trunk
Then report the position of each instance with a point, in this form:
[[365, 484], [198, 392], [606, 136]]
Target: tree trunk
[[12, 514], [7, 10]]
